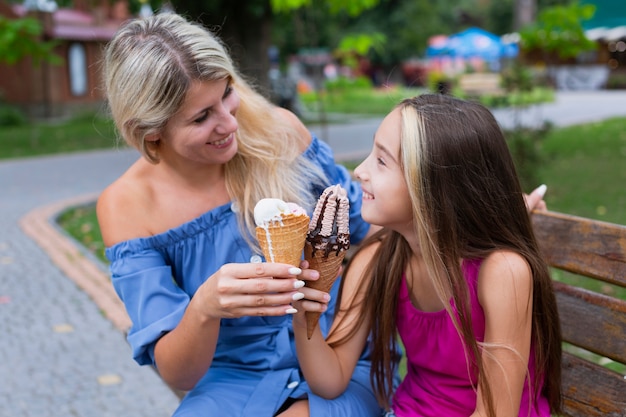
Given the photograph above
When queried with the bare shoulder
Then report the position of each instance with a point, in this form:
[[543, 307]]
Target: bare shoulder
[[121, 209], [504, 275], [294, 122]]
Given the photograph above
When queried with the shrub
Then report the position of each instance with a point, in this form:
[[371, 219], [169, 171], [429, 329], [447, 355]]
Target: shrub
[[11, 116]]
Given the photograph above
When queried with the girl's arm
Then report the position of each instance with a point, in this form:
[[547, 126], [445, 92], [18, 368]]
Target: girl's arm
[[505, 292], [328, 369]]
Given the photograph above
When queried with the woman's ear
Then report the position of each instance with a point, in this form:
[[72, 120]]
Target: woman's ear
[[154, 137]]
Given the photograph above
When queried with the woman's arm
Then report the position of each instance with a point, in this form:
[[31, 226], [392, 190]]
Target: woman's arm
[[185, 354], [505, 292], [327, 369]]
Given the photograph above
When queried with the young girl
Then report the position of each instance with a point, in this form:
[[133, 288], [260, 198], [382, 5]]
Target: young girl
[[455, 272]]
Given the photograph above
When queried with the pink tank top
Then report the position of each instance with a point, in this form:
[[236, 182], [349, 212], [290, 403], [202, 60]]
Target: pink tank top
[[437, 381]]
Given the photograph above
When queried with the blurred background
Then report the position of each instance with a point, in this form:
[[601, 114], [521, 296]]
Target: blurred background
[[297, 51], [334, 62]]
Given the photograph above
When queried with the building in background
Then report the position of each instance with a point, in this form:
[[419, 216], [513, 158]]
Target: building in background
[[46, 90]]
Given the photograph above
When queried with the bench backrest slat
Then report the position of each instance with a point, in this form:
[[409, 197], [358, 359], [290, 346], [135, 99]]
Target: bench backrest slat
[[590, 320], [591, 390], [594, 248], [604, 319]]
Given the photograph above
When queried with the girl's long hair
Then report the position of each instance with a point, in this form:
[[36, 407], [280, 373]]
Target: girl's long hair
[[148, 68], [467, 203]]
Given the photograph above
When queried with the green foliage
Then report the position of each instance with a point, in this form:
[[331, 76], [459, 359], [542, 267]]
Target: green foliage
[[11, 116], [438, 82], [559, 31], [353, 46], [351, 7], [525, 146], [517, 77], [20, 38]]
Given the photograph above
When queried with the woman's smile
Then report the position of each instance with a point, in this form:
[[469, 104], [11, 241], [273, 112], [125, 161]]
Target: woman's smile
[[223, 143]]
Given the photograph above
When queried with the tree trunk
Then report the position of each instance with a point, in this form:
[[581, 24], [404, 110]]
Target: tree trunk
[[525, 13], [245, 28]]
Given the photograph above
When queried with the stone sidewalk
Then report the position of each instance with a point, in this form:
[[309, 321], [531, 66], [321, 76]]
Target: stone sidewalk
[[62, 354]]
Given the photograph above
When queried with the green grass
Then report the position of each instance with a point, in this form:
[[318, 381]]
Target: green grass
[[365, 101], [378, 101], [585, 170], [82, 224], [85, 132]]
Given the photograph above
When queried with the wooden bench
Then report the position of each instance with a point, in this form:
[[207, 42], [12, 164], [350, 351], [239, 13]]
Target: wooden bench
[[480, 83], [590, 321]]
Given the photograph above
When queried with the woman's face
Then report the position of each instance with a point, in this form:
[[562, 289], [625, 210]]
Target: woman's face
[[385, 195], [204, 128]]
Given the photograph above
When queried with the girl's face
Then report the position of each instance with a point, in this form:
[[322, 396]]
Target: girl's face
[[204, 128], [385, 195]]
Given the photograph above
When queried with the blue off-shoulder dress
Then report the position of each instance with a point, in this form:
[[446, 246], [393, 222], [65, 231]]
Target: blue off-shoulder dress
[[255, 368]]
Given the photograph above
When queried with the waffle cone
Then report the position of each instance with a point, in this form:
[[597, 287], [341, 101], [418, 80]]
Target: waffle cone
[[283, 243], [328, 267]]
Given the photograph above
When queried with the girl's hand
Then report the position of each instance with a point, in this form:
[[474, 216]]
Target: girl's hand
[[534, 200], [252, 289]]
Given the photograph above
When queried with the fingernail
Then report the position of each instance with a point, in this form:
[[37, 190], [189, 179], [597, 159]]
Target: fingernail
[[541, 190], [297, 296], [298, 284], [294, 271], [291, 311]]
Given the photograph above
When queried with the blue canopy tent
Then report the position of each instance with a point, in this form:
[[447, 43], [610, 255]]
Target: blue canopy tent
[[472, 43]]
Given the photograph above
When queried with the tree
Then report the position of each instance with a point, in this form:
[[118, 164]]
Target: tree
[[20, 38], [246, 27], [558, 32]]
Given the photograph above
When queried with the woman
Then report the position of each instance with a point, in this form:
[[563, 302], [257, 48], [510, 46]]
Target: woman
[[178, 225]]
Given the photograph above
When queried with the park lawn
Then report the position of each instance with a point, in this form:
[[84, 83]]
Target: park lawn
[[86, 132], [585, 170]]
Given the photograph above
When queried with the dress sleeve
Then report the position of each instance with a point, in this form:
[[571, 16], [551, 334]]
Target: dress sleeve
[[321, 153], [154, 303]]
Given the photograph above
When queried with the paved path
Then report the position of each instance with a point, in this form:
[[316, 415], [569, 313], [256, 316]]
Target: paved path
[[59, 355], [62, 350]]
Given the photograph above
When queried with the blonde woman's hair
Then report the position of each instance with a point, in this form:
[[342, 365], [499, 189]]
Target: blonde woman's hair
[[150, 65]]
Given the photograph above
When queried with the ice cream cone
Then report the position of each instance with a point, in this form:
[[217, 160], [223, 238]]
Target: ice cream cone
[[328, 267], [283, 241]]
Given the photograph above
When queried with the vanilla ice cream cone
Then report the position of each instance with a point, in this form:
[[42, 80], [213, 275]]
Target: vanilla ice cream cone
[[283, 241]]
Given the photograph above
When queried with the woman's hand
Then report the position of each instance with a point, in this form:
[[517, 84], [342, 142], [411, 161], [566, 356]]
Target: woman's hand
[[312, 300], [253, 289]]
